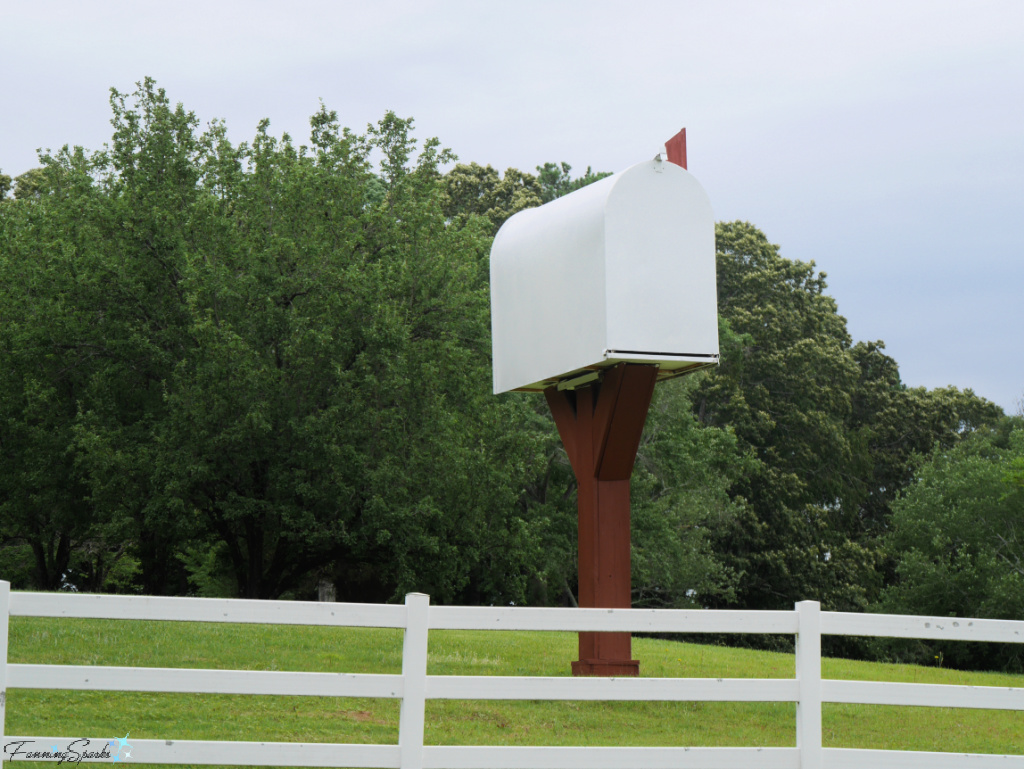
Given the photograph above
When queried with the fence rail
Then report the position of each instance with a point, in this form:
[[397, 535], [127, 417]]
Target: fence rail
[[414, 687]]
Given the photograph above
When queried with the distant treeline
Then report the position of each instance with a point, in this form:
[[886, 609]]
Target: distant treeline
[[250, 369]]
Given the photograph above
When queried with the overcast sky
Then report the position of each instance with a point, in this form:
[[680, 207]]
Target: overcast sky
[[883, 140]]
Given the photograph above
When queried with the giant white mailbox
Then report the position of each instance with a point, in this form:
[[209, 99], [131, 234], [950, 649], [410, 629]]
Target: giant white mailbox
[[622, 270]]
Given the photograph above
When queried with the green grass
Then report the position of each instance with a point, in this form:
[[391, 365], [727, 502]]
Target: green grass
[[316, 719]]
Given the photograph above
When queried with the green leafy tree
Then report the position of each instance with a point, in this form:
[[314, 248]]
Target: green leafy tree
[[680, 496], [961, 548], [897, 425], [51, 347], [555, 180], [834, 431], [785, 387], [33, 183], [92, 288], [251, 367], [474, 190], [279, 360]]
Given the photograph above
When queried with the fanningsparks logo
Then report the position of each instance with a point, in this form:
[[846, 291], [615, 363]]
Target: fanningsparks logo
[[75, 752]]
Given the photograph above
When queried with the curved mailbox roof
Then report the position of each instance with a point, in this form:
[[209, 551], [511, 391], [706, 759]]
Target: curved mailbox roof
[[622, 270]]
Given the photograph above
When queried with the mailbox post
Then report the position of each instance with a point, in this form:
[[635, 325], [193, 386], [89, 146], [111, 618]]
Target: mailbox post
[[601, 424], [595, 297]]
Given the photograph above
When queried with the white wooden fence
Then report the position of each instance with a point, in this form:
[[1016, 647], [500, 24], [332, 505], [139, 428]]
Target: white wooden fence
[[413, 687]]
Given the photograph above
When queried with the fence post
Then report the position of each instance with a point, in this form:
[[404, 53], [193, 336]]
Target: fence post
[[414, 674], [808, 675], [5, 613]]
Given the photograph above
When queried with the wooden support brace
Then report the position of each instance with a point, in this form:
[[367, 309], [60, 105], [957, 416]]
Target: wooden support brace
[[601, 425]]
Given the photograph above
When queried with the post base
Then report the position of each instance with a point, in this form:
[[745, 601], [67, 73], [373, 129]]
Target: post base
[[606, 668]]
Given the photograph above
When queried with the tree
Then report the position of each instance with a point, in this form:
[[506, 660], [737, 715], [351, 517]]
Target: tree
[[279, 359], [474, 190], [680, 496], [247, 368], [341, 346], [555, 180], [93, 289], [50, 347], [833, 429], [31, 184], [961, 548], [785, 386], [897, 425]]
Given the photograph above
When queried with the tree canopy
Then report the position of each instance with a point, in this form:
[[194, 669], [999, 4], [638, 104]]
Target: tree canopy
[[834, 432], [265, 359], [246, 369], [958, 532]]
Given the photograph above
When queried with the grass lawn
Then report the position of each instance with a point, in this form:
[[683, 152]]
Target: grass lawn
[[357, 650]]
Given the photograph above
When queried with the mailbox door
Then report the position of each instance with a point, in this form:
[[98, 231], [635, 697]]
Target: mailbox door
[[660, 271]]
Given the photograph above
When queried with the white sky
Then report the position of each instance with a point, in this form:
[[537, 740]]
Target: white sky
[[883, 140]]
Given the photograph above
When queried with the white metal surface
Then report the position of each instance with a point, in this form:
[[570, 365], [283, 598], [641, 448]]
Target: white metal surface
[[125, 679], [622, 270], [206, 610], [234, 753]]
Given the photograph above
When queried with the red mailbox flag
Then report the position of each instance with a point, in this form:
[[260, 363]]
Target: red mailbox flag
[[676, 149]]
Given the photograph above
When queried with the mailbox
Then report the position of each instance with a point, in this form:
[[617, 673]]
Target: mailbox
[[622, 270]]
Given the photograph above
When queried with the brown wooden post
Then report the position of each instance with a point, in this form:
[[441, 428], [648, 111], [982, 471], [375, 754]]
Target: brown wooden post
[[600, 425]]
